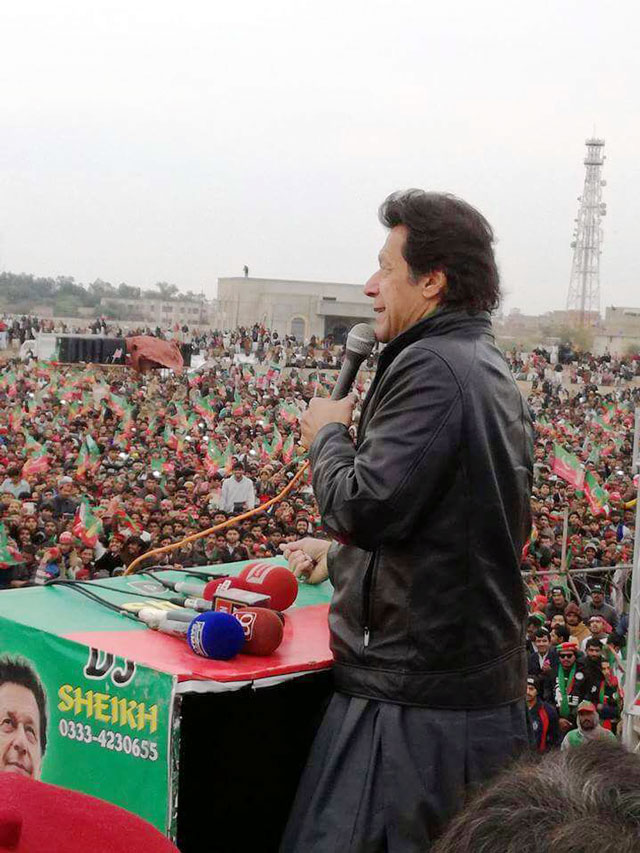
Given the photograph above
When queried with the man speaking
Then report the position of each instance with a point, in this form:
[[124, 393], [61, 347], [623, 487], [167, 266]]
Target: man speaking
[[429, 512]]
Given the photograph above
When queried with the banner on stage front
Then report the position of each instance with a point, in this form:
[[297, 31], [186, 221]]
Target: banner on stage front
[[100, 723]]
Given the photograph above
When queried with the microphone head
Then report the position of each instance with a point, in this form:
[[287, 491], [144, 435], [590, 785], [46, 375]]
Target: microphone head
[[361, 340], [263, 630], [213, 586], [272, 580], [215, 635]]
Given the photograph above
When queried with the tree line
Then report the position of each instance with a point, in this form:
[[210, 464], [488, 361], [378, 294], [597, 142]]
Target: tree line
[[21, 292]]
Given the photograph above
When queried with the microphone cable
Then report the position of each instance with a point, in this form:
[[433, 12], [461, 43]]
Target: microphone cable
[[224, 524], [79, 587]]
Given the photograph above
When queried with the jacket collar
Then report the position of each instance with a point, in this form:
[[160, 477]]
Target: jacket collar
[[442, 322]]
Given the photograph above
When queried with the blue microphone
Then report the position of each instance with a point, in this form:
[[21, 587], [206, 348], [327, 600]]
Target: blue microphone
[[215, 635]]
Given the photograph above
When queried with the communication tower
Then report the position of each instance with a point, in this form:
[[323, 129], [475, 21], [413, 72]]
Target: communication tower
[[583, 300]]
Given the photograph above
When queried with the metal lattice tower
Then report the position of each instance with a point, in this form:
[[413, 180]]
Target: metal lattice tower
[[583, 300]]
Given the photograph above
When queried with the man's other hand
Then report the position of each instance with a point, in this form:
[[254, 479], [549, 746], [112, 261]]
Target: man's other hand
[[307, 558], [321, 412]]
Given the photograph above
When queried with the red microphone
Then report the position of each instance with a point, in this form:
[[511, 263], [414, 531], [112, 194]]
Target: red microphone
[[263, 630], [272, 580]]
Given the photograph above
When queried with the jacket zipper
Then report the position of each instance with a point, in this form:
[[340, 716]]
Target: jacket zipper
[[366, 599]]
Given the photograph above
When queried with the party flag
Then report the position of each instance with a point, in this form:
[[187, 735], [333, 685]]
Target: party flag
[[87, 527], [567, 466]]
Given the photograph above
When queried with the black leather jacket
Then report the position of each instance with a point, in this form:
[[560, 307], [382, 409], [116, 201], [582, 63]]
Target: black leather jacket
[[432, 509]]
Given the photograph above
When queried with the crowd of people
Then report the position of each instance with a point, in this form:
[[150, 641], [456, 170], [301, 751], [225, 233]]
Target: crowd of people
[[576, 564], [99, 465]]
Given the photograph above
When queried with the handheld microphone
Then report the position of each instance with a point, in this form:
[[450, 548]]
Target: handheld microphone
[[218, 636], [187, 588], [215, 635], [262, 628], [228, 594], [154, 616], [268, 579], [360, 342]]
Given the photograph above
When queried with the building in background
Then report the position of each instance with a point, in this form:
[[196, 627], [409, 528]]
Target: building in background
[[620, 334], [164, 313], [299, 308]]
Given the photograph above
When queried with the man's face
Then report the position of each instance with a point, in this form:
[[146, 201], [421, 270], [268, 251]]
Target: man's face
[[567, 659], [20, 749], [572, 618], [232, 537], [558, 598], [595, 625], [542, 645], [593, 653], [587, 720], [238, 474], [398, 301], [597, 598], [531, 693]]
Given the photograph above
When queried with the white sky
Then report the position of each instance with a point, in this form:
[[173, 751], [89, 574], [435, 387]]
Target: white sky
[[144, 141]]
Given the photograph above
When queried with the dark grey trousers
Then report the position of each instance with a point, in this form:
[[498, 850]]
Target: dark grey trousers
[[386, 778]]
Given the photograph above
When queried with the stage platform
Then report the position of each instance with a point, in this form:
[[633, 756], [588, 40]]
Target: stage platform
[[129, 709]]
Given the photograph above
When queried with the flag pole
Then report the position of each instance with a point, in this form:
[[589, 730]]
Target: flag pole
[[565, 536]]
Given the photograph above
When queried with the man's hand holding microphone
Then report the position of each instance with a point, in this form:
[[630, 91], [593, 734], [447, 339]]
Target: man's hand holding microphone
[[308, 557]]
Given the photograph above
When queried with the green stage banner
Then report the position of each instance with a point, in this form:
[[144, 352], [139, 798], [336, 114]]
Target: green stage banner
[[106, 721]]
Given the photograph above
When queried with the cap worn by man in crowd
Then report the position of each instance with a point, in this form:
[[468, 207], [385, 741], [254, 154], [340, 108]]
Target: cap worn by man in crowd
[[65, 538], [586, 707], [566, 648], [597, 587]]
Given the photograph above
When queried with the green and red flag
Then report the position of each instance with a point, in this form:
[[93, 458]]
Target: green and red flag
[[265, 450], [277, 443], [16, 416], [162, 466], [87, 527], [213, 460], [594, 455], [287, 449], [31, 444], [170, 438], [602, 423], [125, 525], [88, 458], [596, 495], [9, 554], [237, 407], [289, 412], [567, 466], [118, 404], [37, 463]]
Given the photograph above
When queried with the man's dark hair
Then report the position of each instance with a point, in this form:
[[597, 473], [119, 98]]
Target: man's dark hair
[[559, 804], [447, 234], [19, 671], [542, 632], [615, 639], [562, 633], [593, 643]]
